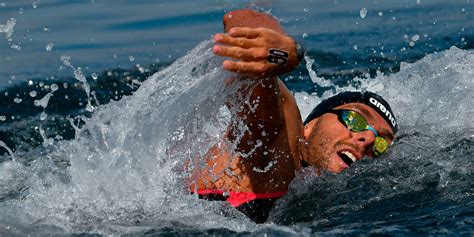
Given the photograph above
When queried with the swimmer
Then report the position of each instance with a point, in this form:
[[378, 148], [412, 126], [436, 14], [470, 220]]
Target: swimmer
[[253, 168]]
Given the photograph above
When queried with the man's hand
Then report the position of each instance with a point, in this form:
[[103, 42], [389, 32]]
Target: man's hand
[[254, 51]]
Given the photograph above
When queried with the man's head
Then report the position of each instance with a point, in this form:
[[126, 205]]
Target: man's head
[[336, 132]]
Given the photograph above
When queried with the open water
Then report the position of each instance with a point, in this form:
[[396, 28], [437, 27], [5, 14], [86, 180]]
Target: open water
[[102, 102]]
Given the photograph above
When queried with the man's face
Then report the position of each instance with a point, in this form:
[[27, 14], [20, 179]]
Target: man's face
[[330, 145]]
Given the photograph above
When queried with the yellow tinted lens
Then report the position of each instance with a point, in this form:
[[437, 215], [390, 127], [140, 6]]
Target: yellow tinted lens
[[380, 146], [354, 121]]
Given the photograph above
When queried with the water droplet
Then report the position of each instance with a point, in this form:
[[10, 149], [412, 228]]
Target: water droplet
[[3, 118], [33, 93], [17, 100], [363, 13], [54, 87], [49, 47], [43, 116], [94, 76], [415, 38], [140, 68], [305, 35], [15, 47], [36, 3], [131, 58]]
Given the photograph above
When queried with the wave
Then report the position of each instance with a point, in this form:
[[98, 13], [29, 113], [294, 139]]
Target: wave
[[123, 171]]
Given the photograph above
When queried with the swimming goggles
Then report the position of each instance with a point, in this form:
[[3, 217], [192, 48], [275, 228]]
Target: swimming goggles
[[357, 123]]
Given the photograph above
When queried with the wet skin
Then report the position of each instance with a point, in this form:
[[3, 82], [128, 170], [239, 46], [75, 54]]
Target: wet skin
[[264, 158]]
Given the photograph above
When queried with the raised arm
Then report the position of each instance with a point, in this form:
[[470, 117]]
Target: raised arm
[[251, 42], [250, 39]]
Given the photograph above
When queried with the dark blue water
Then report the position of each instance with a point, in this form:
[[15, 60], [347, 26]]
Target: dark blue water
[[78, 155]]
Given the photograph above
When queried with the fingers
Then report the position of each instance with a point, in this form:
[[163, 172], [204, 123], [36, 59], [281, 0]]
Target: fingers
[[252, 54], [237, 41], [246, 32], [251, 68]]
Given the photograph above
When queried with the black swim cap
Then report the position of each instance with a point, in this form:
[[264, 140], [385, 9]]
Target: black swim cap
[[371, 99]]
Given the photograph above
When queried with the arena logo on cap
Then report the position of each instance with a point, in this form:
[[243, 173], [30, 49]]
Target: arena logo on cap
[[384, 110]]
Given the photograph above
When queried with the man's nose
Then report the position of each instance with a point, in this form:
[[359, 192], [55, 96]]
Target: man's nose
[[364, 140]]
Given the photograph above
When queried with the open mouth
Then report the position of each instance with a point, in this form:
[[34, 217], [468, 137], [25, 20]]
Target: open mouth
[[347, 157]]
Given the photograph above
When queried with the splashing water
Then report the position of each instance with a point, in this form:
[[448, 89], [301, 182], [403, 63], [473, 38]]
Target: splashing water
[[424, 183], [8, 28], [125, 172], [80, 77]]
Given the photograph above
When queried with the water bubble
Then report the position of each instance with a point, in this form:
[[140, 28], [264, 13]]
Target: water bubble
[[94, 76], [2, 4], [33, 94], [30, 82], [355, 47], [54, 87], [306, 10], [3, 118], [65, 85], [230, 16], [41, 84], [411, 44], [463, 10], [363, 13], [49, 47], [131, 58], [17, 100], [305, 35], [415, 38], [380, 13], [43, 116], [46, 29]]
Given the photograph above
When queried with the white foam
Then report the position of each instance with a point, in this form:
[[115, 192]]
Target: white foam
[[126, 164], [437, 89]]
